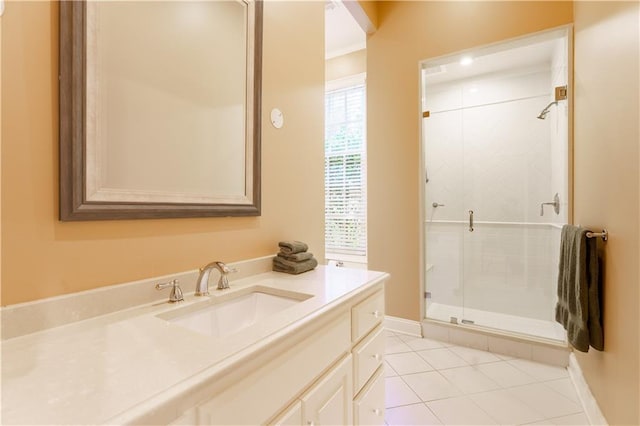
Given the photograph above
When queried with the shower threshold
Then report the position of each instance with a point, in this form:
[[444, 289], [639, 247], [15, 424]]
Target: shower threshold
[[494, 320], [454, 320]]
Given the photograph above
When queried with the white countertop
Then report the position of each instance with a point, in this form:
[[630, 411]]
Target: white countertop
[[114, 367]]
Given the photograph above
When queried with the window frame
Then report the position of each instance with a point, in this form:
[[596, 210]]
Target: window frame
[[331, 86]]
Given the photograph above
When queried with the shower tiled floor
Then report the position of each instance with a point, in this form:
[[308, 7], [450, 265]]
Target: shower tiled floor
[[523, 325], [435, 383]]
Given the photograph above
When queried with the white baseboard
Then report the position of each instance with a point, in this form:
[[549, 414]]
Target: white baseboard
[[404, 326], [589, 403]]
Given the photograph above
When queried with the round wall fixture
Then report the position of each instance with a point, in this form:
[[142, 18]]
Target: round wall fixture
[[277, 119]]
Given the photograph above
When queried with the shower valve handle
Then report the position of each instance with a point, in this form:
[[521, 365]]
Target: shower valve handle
[[555, 203], [470, 220]]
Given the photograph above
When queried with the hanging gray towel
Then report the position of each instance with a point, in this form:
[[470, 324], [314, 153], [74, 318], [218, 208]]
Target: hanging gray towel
[[578, 307]]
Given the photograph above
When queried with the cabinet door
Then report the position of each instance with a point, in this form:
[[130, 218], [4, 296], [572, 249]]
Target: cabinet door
[[291, 417], [329, 402], [189, 418], [369, 406]]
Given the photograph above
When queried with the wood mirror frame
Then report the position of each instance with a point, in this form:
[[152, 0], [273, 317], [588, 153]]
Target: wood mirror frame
[[74, 205]]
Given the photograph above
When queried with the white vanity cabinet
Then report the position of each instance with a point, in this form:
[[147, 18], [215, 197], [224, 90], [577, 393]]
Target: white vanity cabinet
[[316, 361], [366, 315], [291, 417], [368, 356], [326, 402], [352, 392], [329, 402], [368, 407], [367, 334], [308, 379]]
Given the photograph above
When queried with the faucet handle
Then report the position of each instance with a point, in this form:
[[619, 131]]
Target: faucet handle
[[176, 291], [555, 203], [223, 268], [223, 282]]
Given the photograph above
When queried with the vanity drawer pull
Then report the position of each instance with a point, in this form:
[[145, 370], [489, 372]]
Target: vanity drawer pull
[[369, 404], [368, 357], [366, 315]]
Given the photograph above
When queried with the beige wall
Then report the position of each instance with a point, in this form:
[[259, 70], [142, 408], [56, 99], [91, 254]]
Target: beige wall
[[346, 65], [606, 190], [408, 32], [0, 155], [43, 257]]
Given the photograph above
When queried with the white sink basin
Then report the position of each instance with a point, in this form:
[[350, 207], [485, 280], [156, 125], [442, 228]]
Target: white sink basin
[[233, 312]]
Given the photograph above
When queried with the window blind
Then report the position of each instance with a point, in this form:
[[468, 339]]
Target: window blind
[[345, 171]]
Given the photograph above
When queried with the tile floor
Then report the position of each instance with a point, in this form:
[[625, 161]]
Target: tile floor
[[435, 383]]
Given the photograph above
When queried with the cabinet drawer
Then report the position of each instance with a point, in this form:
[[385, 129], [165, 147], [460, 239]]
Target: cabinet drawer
[[367, 357], [366, 315], [368, 408]]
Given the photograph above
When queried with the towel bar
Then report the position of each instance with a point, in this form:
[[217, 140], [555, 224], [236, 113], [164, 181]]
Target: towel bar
[[604, 234]]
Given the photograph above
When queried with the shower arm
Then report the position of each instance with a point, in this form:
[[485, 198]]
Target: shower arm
[[545, 111], [560, 95]]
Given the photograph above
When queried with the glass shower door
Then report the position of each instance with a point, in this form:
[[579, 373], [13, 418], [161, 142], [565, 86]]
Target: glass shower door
[[505, 175], [492, 160], [444, 212]]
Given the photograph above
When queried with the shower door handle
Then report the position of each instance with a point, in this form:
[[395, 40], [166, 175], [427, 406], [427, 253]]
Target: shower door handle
[[470, 220]]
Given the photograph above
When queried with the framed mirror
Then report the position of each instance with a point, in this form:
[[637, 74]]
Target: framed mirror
[[160, 109]]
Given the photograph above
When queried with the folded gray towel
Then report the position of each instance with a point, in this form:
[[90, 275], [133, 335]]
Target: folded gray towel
[[290, 267], [291, 247], [296, 257], [578, 307]]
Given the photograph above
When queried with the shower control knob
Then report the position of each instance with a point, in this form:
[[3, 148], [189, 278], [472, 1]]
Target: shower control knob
[[436, 205]]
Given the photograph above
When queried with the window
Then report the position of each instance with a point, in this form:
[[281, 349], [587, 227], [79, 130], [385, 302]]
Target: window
[[345, 166]]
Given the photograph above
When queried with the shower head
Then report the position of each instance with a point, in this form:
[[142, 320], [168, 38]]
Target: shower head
[[545, 111]]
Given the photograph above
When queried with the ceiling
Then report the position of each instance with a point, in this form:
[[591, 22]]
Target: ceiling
[[520, 53], [342, 33]]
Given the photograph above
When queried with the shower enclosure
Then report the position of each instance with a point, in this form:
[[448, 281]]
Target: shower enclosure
[[495, 138]]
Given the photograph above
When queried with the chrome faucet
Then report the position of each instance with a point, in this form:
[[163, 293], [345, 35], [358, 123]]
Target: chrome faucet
[[202, 285]]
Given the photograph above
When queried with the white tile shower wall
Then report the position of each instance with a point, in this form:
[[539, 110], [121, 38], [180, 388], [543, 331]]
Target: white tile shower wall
[[558, 119], [506, 162], [554, 253], [559, 147], [444, 252], [486, 156], [506, 268]]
